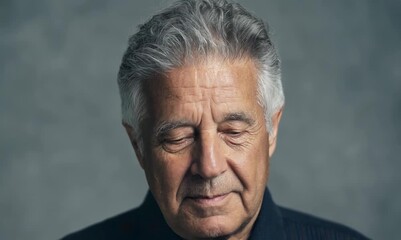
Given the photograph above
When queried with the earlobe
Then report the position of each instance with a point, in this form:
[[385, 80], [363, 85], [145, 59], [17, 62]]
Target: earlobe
[[134, 143], [273, 135]]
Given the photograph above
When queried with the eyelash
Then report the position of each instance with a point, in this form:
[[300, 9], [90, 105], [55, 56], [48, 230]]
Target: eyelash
[[234, 133], [233, 137], [175, 141], [174, 145]]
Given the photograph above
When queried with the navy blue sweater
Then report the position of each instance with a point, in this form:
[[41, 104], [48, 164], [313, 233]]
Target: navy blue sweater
[[273, 222]]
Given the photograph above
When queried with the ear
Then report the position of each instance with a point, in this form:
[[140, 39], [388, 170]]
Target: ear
[[273, 135], [134, 142]]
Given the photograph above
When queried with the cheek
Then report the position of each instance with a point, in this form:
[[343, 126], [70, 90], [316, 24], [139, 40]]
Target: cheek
[[251, 165], [262, 165], [165, 173], [261, 158]]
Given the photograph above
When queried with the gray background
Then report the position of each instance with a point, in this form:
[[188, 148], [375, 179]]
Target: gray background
[[65, 161]]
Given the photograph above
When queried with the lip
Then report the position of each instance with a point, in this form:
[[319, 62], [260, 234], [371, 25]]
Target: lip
[[209, 200]]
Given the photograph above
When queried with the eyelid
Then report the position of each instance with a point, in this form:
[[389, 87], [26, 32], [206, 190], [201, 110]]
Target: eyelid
[[177, 139], [234, 133], [237, 133], [233, 127], [235, 124], [175, 133], [176, 145], [234, 137]]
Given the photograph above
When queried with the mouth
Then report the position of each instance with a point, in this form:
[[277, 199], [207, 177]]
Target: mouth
[[208, 199]]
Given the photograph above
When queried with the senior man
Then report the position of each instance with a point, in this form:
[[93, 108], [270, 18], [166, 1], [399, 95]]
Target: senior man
[[202, 101]]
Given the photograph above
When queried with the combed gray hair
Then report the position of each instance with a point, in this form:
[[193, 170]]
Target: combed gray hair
[[190, 30]]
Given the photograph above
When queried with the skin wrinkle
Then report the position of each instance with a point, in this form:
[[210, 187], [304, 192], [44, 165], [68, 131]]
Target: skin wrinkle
[[213, 51], [164, 127], [243, 37], [193, 97], [211, 161]]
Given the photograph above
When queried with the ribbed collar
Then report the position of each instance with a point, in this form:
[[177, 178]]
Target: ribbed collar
[[269, 224]]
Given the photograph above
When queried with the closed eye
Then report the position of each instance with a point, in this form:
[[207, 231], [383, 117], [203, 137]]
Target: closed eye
[[175, 145], [175, 141], [234, 137], [234, 133]]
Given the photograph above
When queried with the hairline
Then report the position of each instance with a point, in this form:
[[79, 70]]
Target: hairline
[[131, 78]]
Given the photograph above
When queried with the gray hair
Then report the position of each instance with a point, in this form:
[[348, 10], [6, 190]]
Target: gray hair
[[190, 30]]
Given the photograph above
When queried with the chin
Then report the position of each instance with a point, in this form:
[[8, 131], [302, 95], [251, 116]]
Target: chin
[[213, 227]]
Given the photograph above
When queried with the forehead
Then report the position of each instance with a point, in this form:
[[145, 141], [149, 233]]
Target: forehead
[[215, 86], [215, 80]]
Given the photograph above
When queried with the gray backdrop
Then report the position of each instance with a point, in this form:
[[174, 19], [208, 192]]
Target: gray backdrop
[[65, 161]]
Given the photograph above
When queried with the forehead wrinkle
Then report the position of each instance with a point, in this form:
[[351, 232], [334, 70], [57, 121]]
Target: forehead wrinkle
[[195, 94], [206, 87], [173, 117], [189, 93], [226, 94], [192, 95], [203, 75]]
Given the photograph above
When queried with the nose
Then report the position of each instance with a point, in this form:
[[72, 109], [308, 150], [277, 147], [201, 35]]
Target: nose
[[208, 160]]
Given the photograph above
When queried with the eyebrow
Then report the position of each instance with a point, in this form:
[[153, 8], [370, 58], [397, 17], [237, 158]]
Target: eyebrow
[[165, 127], [239, 116]]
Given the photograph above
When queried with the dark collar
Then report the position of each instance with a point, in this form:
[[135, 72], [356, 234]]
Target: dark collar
[[268, 225]]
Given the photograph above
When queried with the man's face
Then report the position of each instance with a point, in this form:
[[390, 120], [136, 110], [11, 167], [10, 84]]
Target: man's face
[[206, 156]]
